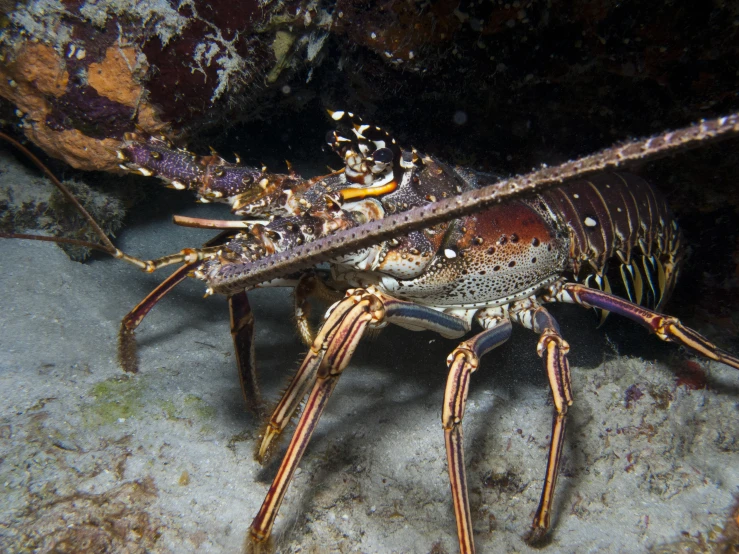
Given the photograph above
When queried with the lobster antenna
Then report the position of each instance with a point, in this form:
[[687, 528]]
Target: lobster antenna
[[237, 276], [57, 240], [109, 247]]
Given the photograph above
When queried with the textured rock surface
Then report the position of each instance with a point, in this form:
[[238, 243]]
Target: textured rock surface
[[81, 74], [502, 85]]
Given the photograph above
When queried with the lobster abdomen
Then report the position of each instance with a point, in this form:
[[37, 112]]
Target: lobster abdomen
[[619, 216]]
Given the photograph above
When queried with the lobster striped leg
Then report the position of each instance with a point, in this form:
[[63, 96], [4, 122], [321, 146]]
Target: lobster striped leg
[[667, 328], [334, 357], [327, 358], [310, 285], [127, 351], [398, 312], [552, 348], [302, 382], [242, 333], [462, 362], [354, 314]]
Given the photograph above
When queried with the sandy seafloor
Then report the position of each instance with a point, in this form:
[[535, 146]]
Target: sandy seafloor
[[92, 459]]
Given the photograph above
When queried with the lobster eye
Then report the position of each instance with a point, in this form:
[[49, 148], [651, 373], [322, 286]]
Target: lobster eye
[[383, 155]]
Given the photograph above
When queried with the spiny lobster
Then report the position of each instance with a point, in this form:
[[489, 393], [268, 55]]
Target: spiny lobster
[[492, 268]]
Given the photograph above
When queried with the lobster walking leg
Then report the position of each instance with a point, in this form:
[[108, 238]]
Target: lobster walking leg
[[667, 328], [462, 362], [310, 285], [302, 308], [399, 312], [127, 351], [303, 381], [552, 348], [242, 333], [363, 308]]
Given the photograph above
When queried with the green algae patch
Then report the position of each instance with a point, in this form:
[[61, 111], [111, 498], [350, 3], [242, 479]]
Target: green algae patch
[[118, 399], [197, 408], [189, 407], [169, 409], [115, 399]]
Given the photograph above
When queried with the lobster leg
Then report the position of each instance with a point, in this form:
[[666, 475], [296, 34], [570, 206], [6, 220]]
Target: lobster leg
[[355, 312], [552, 348], [667, 328], [302, 382], [399, 312], [462, 362], [302, 308], [127, 351], [242, 333], [310, 285]]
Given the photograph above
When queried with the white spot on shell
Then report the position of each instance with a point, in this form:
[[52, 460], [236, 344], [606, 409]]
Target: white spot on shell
[[576, 196], [449, 253], [590, 222], [336, 116]]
